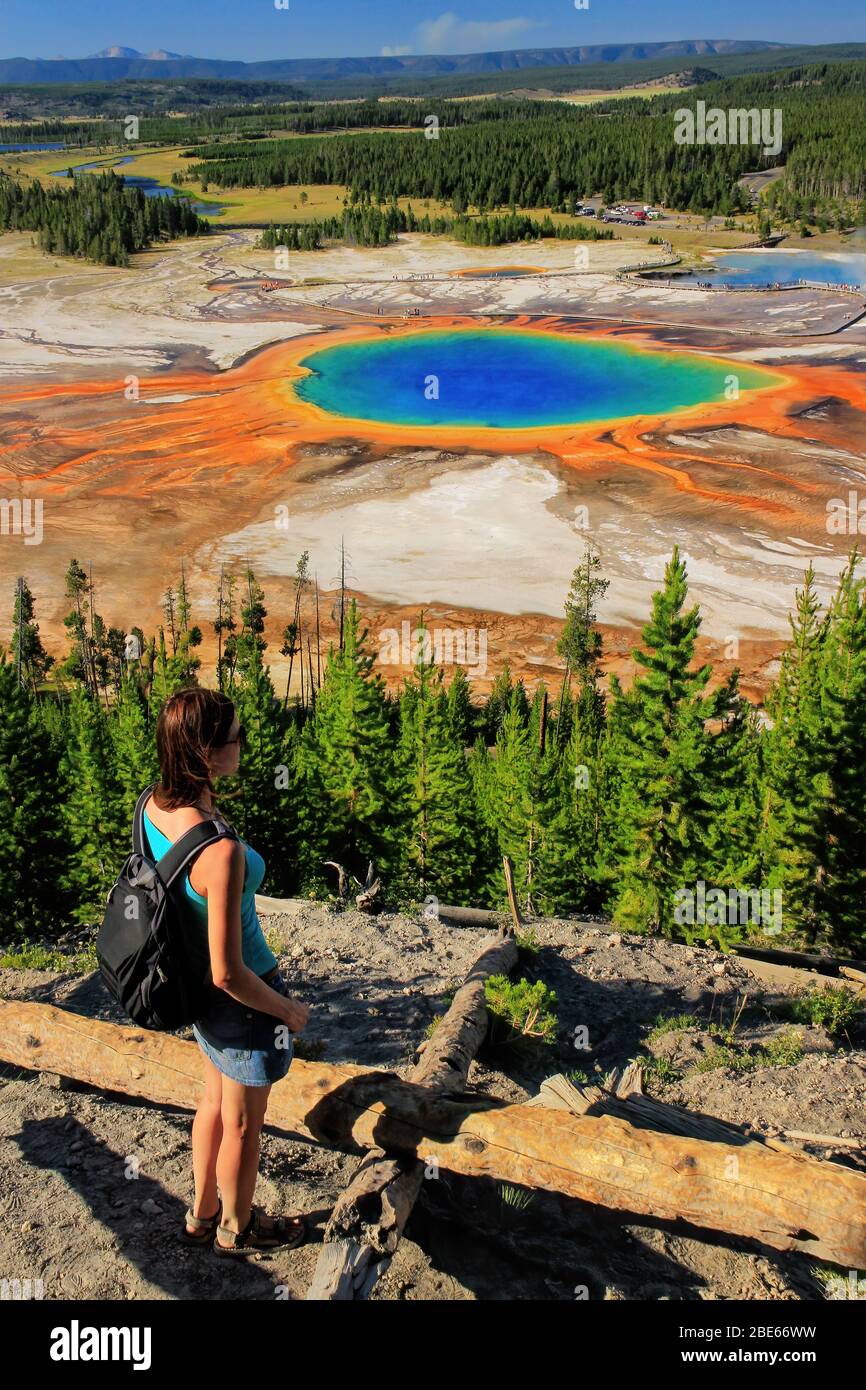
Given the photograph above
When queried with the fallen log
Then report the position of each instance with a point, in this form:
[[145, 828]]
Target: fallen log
[[794, 976], [826, 1141], [370, 1216], [787, 1201], [448, 1053], [443, 912], [803, 960], [266, 907], [622, 1095], [468, 916]]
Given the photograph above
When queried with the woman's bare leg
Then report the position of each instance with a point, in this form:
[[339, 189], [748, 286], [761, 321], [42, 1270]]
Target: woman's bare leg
[[207, 1133], [243, 1114]]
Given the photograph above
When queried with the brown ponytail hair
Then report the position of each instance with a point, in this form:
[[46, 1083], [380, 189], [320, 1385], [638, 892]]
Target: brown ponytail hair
[[191, 723]]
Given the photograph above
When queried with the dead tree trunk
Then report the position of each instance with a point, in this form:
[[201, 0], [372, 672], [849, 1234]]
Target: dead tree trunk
[[512, 895], [369, 1218], [787, 1201]]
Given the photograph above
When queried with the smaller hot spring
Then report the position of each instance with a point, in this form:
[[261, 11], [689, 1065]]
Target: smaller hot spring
[[503, 272], [763, 269]]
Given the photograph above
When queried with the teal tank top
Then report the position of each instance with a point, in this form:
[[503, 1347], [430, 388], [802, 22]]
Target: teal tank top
[[257, 954]]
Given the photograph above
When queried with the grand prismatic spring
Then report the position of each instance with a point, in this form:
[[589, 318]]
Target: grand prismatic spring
[[512, 380]]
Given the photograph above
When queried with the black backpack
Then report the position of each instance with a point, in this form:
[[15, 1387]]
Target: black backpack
[[154, 961]]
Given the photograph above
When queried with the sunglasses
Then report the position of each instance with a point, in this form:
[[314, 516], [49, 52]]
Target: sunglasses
[[240, 739]]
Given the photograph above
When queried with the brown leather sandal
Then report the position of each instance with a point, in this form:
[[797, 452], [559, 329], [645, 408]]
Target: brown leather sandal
[[204, 1226], [284, 1231]]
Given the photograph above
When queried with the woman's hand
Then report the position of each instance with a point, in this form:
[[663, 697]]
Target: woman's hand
[[296, 1015]]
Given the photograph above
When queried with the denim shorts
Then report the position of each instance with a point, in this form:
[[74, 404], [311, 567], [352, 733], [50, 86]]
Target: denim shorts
[[246, 1045]]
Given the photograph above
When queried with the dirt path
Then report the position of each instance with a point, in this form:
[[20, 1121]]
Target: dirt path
[[94, 1188]]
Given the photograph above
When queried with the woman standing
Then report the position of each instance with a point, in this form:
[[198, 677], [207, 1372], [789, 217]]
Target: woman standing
[[246, 1033]]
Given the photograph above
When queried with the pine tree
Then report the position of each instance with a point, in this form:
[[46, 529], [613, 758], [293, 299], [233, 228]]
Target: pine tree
[[292, 632], [95, 825], [225, 628], [796, 790], [168, 608], [460, 712], [571, 804], [571, 812], [133, 763], [345, 809], [512, 809], [78, 664], [488, 876], [181, 662], [733, 776], [29, 836], [251, 644], [265, 807], [842, 896], [503, 690], [581, 642], [663, 745], [438, 838], [169, 672], [28, 653], [106, 652], [614, 752]]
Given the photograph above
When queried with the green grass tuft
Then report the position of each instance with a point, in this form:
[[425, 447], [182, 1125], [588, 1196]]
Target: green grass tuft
[[528, 941], [839, 1285], [659, 1069], [673, 1023], [31, 956], [832, 1007], [722, 1056], [784, 1051], [514, 1200]]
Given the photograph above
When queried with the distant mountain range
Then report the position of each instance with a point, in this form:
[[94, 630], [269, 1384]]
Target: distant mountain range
[[160, 54], [117, 63]]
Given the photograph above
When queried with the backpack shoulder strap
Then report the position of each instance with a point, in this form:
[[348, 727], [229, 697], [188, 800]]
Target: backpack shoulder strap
[[182, 853], [138, 840]]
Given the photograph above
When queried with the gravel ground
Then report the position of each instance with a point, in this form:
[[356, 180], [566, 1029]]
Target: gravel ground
[[94, 1188]]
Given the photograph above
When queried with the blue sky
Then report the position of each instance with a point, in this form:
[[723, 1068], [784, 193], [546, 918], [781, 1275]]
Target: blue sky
[[257, 30]]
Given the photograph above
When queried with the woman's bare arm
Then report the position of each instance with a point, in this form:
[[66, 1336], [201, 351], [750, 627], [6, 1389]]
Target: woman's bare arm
[[221, 872]]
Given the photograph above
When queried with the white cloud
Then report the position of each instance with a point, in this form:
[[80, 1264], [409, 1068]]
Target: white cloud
[[450, 33], [399, 52]]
